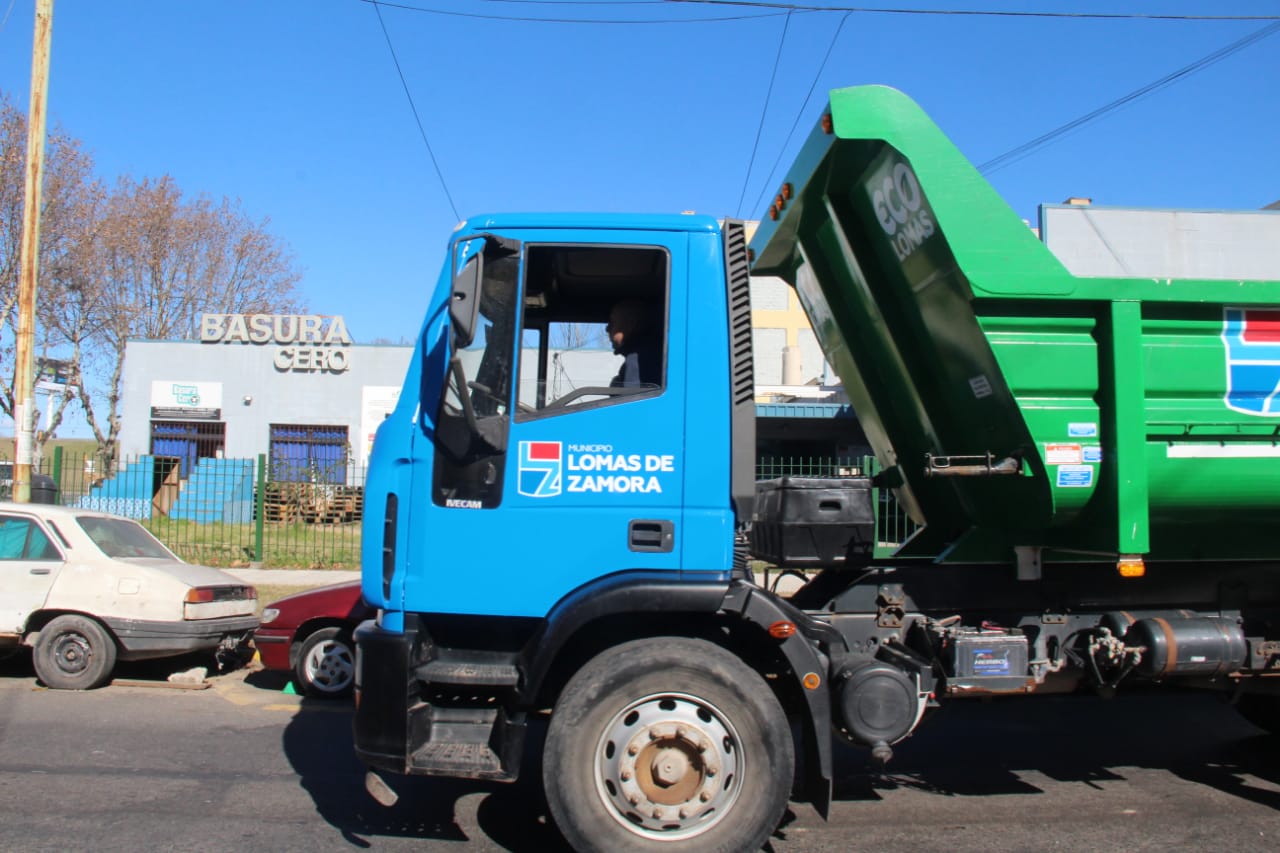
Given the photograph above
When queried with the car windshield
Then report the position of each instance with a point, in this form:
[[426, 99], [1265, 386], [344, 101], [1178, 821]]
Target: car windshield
[[118, 537]]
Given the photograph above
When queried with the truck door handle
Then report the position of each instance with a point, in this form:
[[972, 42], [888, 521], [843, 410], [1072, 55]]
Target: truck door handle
[[41, 571], [653, 535]]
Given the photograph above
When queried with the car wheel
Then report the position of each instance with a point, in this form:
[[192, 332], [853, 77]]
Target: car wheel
[[74, 653], [326, 664], [667, 744]]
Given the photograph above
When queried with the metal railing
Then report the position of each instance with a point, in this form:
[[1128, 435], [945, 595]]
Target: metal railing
[[224, 512]]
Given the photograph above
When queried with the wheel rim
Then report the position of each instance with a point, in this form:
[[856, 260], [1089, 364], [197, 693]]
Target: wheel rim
[[668, 766], [72, 652], [329, 666]]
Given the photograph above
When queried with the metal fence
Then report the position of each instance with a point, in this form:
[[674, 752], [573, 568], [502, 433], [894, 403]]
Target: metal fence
[[223, 512], [237, 512]]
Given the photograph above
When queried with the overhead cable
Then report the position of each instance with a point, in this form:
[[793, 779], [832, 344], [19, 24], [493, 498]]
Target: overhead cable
[[800, 113], [777, 61], [1015, 154], [413, 107], [989, 13], [524, 19]]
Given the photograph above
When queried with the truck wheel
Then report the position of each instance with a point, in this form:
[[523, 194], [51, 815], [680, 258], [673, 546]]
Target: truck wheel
[[326, 664], [667, 744], [74, 653], [1263, 710]]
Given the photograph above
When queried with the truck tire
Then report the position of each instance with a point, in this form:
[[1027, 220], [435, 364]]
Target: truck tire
[[1263, 710], [74, 653], [668, 744], [326, 666]]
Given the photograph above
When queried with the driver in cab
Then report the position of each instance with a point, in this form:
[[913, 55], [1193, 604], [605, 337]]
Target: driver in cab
[[633, 334]]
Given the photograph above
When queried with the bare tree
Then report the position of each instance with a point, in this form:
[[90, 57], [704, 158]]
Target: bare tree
[[575, 336], [138, 261], [65, 205], [155, 261], [69, 307]]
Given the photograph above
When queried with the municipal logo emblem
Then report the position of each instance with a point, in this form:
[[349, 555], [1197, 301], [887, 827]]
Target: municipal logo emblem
[[540, 467], [1252, 338]]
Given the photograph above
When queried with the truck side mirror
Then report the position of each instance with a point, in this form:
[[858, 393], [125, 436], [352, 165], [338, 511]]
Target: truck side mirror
[[464, 300]]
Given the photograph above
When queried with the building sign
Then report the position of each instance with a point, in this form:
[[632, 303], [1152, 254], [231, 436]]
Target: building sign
[[308, 343], [377, 402], [186, 401]]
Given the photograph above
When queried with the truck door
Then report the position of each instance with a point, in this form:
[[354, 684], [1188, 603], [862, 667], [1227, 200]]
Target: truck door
[[29, 564], [579, 472]]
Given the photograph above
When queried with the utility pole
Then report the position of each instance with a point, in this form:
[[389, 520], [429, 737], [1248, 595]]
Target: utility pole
[[24, 398]]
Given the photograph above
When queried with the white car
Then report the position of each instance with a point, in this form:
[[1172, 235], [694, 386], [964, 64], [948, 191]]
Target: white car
[[84, 589]]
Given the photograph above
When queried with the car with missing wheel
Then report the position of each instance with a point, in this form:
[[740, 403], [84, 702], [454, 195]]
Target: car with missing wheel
[[308, 634], [85, 589]]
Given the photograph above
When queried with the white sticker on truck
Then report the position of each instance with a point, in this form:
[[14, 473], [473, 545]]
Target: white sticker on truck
[[1063, 454]]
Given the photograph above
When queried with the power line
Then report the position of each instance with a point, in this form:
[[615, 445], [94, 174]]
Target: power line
[[537, 20], [800, 113], [776, 9], [413, 107], [777, 61], [7, 12], [1014, 154], [576, 2], [992, 13]]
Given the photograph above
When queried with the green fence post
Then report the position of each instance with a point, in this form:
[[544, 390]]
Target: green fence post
[[260, 508], [57, 473]]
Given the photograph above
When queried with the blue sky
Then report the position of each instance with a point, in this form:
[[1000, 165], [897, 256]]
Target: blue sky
[[296, 108]]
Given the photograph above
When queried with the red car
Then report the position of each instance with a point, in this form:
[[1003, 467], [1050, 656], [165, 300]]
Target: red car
[[309, 635]]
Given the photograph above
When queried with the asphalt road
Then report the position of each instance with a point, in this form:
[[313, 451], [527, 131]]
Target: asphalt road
[[243, 766]]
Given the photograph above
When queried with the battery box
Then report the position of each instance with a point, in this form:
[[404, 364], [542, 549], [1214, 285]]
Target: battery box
[[814, 522], [983, 654]]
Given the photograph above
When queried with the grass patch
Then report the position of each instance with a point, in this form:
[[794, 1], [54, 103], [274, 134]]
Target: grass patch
[[284, 546]]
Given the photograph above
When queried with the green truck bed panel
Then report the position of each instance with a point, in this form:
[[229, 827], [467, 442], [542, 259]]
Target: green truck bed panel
[[1144, 413]]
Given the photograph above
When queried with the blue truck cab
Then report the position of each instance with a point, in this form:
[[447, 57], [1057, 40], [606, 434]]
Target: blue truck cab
[[502, 445], [520, 524]]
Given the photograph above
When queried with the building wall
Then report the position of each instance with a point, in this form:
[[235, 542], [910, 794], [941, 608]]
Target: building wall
[[779, 324], [250, 392], [778, 321], [1124, 242]]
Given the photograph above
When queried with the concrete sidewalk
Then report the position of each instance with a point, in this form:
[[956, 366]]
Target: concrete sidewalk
[[293, 577]]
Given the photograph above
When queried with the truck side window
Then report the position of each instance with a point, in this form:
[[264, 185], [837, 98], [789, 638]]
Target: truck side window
[[594, 327]]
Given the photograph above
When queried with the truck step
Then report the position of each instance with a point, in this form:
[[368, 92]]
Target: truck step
[[470, 673], [466, 743], [465, 760]]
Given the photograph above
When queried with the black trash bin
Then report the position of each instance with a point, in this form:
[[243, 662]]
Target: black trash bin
[[43, 489]]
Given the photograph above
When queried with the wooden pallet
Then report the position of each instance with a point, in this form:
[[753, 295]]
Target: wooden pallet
[[313, 503]]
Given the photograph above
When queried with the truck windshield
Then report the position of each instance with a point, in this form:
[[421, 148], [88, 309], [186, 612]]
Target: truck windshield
[[118, 537]]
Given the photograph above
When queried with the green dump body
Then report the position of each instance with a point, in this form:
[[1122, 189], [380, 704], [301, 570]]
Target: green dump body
[[1139, 416]]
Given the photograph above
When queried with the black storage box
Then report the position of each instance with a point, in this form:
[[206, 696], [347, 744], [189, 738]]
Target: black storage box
[[813, 522]]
